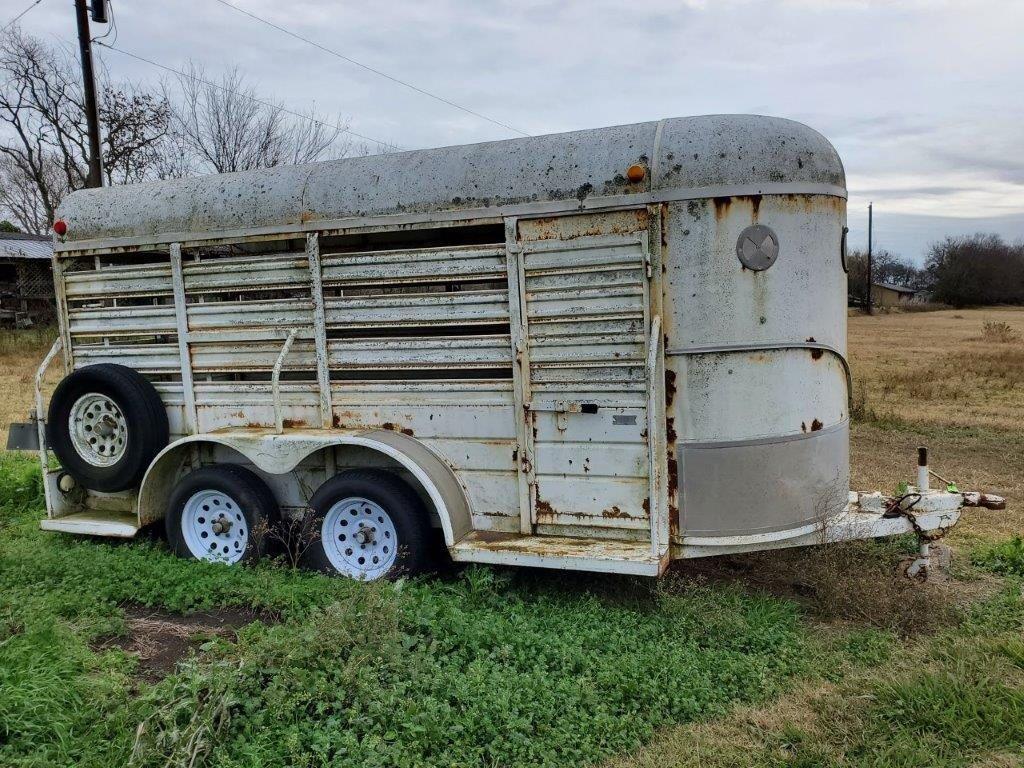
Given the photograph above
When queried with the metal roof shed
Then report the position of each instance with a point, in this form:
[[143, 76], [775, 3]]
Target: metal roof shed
[[26, 279]]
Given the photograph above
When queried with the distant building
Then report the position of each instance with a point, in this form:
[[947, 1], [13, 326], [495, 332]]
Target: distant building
[[26, 280], [888, 295]]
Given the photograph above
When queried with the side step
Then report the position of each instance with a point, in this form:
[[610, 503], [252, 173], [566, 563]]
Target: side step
[[560, 552], [121, 525]]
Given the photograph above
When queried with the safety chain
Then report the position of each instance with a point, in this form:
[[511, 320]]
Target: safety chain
[[896, 509]]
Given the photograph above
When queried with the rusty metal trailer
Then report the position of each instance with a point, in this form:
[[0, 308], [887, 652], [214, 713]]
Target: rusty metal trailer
[[599, 350]]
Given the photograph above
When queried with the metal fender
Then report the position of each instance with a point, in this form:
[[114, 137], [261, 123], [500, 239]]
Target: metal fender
[[281, 453]]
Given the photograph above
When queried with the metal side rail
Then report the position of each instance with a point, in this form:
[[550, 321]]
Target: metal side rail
[[559, 552], [275, 381]]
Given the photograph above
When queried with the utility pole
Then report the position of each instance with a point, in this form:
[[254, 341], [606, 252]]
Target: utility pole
[[871, 309], [92, 111]]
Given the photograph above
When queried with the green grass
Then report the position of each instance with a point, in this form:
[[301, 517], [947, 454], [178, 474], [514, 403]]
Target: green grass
[[954, 699], [486, 667], [1006, 557]]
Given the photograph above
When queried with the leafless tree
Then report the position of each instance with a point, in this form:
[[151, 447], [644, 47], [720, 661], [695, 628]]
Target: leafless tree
[[188, 126], [45, 141], [21, 198], [228, 127]]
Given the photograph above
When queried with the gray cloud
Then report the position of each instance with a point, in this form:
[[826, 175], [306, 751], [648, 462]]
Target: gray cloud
[[919, 97]]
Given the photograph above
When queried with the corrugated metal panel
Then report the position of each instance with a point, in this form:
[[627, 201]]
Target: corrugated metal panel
[[25, 247]]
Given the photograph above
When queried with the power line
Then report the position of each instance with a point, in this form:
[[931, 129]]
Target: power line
[[12, 22], [192, 76], [368, 68]]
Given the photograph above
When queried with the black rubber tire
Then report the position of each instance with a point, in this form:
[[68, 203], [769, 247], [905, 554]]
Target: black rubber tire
[[257, 502], [412, 525], [145, 417]]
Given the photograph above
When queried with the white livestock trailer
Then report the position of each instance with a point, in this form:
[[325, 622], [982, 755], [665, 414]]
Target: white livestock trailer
[[599, 350]]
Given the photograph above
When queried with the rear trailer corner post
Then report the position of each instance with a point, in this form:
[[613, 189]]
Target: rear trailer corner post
[[656, 446], [40, 419]]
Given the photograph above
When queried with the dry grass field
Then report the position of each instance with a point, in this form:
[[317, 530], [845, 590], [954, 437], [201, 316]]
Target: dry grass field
[[20, 355], [941, 368]]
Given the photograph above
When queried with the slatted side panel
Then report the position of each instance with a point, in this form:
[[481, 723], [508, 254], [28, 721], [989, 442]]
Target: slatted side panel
[[123, 313], [586, 312], [418, 341], [429, 313], [240, 309]]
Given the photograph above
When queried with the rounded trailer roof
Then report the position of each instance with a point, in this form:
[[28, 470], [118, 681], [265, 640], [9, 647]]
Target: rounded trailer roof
[[686, 153]]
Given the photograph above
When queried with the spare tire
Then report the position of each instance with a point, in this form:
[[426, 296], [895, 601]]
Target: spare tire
[[106, 423]]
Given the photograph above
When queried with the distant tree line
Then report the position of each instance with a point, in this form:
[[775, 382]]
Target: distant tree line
[[962, 271], [186, 126], [977, 269]]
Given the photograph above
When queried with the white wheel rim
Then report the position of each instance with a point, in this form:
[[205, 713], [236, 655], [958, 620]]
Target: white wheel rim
[[359, 538], [214, 527], [98, 430]]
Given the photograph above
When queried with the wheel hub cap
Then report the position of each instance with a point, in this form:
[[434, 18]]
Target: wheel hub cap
[[359, 538], [214, 527], [98, 430]]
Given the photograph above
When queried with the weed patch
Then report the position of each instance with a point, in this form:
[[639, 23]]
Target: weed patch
[[955, 700], [999, 332], [857, 582], [1005, 558]]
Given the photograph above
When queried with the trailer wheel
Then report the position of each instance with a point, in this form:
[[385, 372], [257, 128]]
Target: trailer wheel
[[368, 525], [106, 423], [220, 514]]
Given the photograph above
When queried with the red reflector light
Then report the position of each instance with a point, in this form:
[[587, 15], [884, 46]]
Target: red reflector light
[[60, 227]]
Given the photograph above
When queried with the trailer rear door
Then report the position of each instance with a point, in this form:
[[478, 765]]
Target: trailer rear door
[[585, 306]]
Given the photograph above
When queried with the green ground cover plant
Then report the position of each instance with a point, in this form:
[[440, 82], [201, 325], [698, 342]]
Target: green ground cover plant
[[482, 667]]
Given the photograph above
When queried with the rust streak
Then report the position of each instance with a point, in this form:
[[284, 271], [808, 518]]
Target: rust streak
[[673, 475], [670, 386], [614, 513]]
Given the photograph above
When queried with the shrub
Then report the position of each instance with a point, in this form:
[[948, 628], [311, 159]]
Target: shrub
[[999, 332]]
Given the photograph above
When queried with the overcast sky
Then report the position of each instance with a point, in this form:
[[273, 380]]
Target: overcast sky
[[921, 98]]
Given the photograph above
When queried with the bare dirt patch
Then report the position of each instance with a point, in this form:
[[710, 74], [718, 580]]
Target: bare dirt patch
[[160, 639]]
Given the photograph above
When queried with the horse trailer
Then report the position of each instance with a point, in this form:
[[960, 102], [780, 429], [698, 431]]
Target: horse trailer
[[600, 350]]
